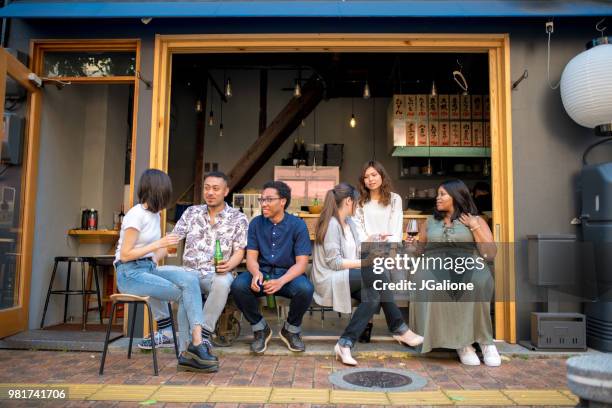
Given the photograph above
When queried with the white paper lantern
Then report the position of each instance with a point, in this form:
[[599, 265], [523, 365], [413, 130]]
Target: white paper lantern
[[586, 87]]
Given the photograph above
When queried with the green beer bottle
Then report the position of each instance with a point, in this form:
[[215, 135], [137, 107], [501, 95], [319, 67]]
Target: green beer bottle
[[218, 257], [270, 299]]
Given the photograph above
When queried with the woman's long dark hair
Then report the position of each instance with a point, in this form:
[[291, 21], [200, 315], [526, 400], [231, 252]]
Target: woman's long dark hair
[[155, 190], [462, 200], [385, 187], [333, 198]]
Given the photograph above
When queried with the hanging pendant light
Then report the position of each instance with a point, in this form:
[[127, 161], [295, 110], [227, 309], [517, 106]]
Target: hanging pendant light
[[366, 91], [297, 91], [586, 86], [198, 106], [353, 121], [211, 114], [228, 87], [373, 128], [434, 91], [221, 121]]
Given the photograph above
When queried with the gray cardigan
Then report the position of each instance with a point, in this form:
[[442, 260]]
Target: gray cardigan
[[331, 282]]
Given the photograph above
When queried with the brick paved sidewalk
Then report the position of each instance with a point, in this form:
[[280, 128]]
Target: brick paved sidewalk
[[300, 371]]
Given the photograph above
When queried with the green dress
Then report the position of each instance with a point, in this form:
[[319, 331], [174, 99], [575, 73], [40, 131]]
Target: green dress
[[453, 323]]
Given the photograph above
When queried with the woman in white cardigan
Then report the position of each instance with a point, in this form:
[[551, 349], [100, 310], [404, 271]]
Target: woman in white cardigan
[[337, 273]]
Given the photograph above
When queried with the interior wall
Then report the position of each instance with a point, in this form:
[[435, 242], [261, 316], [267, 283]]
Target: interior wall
[[241, 118], [82, 158]]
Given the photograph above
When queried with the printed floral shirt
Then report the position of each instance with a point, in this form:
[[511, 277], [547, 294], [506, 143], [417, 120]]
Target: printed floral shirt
[[230, 228]]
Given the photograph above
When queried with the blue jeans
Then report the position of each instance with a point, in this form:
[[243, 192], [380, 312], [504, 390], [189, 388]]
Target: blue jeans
[[299, 290], [143, 277]]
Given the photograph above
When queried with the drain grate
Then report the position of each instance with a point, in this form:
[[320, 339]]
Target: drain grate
[[377, 379]]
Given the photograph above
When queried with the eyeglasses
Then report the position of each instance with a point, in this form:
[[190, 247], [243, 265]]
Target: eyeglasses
[[267, 200]]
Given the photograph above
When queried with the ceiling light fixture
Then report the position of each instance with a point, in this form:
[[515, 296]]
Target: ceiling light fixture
[[366, 91]]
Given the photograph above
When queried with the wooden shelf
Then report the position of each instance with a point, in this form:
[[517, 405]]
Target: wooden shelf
[[94, 236], [440, 151]]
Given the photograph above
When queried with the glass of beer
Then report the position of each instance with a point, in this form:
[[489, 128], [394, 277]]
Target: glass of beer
[[172, 250]]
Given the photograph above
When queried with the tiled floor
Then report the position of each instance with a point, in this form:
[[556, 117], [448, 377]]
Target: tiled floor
[[267, 380]]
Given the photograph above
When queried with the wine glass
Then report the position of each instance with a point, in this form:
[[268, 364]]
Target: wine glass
[[412, 228]]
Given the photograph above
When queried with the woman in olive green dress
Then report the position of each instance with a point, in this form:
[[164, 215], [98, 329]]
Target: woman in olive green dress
[[454, 320]]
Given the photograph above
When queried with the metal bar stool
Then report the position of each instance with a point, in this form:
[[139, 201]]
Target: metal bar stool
[[84, 292], [122, 298]]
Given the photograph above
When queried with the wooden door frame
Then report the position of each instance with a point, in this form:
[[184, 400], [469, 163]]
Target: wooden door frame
[[17, 319], [497, 46]]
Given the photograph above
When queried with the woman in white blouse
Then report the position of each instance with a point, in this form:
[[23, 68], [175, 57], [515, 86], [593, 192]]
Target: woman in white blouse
[[379, 212]]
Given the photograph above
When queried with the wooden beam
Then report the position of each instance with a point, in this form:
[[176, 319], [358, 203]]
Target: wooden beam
[[17, 71], [263, 100], [199, 146], [276, 133]]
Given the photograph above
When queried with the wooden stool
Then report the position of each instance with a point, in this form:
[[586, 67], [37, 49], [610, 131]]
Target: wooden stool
[[123, 298]]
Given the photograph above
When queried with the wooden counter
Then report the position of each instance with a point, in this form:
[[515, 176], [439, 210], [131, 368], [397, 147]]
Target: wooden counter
[[94, 236]]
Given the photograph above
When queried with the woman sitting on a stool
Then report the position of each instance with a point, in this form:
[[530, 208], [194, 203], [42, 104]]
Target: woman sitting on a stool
[[139, 249]]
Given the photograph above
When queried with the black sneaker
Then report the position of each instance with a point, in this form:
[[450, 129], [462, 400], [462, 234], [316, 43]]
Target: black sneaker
[[189, 364], [292, 340], [262, 337], [201, 353]]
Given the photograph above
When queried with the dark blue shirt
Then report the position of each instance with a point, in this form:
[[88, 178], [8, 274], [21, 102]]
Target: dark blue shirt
[[278, 244]]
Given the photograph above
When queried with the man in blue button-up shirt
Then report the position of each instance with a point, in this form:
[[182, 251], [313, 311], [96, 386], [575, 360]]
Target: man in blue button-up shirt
[[277, 256]]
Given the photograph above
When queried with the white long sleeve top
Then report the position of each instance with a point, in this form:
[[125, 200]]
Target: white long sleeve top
[[375, 218]]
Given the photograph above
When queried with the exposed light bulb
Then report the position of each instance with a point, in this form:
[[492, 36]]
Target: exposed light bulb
[[303, 123], [211, 118], [221, 130], [198, 106], [434, 91], [297, 92], [228, 88], [353, 121], [366, 91]]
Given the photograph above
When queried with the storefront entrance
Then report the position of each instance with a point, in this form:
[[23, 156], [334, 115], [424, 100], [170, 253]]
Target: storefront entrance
[[496, 47]]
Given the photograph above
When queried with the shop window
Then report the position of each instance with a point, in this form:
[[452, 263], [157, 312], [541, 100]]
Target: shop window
[[89, 64]]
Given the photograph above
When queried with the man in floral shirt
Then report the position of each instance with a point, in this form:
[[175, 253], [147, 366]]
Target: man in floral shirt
[[201, 226]]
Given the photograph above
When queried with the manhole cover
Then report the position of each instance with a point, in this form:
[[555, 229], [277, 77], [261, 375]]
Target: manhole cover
[[377, 379]]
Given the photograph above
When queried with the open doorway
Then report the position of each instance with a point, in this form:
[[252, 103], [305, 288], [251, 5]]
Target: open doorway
[[322, 116], [496, 46]]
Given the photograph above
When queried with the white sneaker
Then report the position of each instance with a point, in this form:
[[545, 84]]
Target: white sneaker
[[468, 356], [490, 355], [161, 341]]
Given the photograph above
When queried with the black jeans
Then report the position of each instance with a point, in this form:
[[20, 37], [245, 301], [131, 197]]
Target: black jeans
[[299, 290], [363, 288]]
